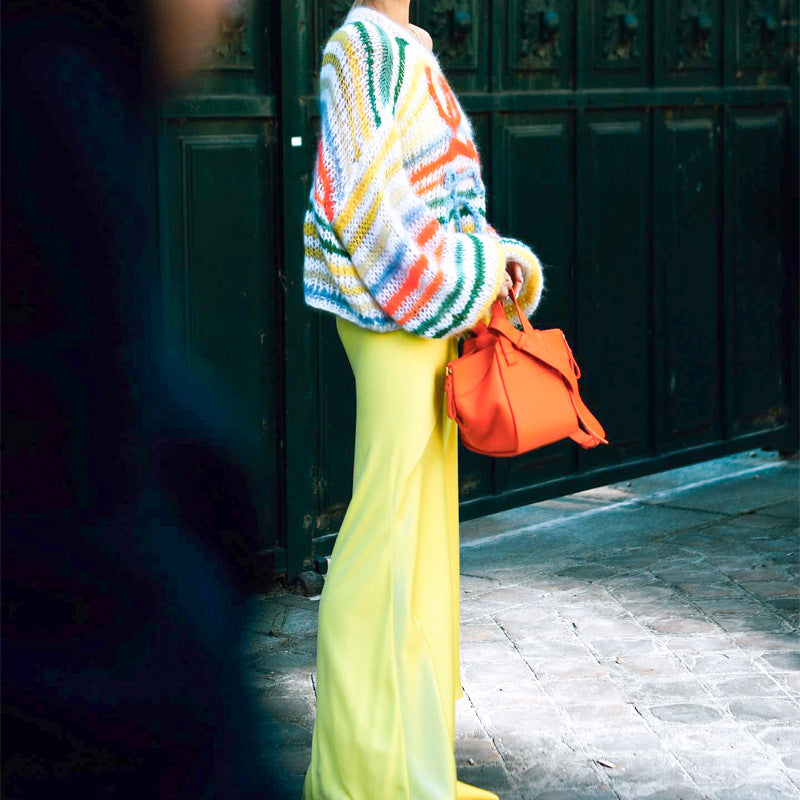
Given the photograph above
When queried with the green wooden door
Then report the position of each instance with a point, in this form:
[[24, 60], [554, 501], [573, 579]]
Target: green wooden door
[[644, 148], [220, 211]]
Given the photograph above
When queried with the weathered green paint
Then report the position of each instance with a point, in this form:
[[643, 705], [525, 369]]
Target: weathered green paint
[[646, 149]]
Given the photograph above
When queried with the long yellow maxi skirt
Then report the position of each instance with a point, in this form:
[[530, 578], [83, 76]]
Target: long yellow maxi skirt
[[387, 659]]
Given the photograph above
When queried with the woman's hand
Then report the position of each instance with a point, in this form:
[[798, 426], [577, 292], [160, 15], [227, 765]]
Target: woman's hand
[[512, 280]]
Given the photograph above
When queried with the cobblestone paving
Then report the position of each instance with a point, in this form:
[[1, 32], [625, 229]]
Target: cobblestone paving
[[637, 641]]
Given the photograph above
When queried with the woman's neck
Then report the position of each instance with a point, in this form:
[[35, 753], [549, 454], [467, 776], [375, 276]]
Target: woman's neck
[[397, 10]]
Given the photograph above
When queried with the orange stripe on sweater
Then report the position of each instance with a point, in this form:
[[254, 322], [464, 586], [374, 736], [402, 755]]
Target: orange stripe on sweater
[[409, 285], [456, 148], [417, 271], [327, 187], [449, 111], [428, 232], [433, 287]]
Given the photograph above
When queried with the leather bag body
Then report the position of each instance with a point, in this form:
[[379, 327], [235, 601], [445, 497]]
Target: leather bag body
[[513, 390]]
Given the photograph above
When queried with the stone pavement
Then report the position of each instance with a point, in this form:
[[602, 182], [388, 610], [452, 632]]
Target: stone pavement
[[635, 641]]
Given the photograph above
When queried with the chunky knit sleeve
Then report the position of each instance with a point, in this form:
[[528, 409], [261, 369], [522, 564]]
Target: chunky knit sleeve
[[374, 230], [533, 279]]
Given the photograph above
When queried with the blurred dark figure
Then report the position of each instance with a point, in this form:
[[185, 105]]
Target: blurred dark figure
[[126, 505]]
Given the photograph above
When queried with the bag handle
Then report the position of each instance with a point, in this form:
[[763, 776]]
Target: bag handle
[[527, 341]]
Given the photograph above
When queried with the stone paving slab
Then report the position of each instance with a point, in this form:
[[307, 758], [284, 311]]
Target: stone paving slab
[[638, 641]]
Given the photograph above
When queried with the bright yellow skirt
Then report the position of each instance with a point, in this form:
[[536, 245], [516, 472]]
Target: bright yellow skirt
[[387, 658]]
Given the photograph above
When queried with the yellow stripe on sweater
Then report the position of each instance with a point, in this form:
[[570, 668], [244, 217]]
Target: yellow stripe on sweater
[[357, 296], [416, 80], [422, 101], [383, 233], [356, 71], [330, 60], [360, 189], [346, 82], [343, 270], [372, 212]]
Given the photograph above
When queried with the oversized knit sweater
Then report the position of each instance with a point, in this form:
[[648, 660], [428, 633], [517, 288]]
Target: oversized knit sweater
[[396, 233]]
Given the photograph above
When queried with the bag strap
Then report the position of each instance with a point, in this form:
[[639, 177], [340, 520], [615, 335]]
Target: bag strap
[[590, 423], [529, 340]]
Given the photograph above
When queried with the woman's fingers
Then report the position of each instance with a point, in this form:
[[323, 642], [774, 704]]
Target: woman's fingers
[[505, 288], [518, 277], [512, 280]]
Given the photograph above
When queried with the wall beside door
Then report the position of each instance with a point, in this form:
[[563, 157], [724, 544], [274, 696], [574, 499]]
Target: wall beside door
[[644, 149]]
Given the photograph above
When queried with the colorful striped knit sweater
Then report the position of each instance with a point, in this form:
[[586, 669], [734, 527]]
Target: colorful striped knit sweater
[[396, 233]]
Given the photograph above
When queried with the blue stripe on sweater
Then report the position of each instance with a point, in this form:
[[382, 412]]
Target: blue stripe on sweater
[[335, 297], [327, 136], [402, 255]]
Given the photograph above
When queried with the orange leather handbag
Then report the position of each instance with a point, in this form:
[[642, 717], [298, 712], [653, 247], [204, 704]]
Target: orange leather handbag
[[513, 391]]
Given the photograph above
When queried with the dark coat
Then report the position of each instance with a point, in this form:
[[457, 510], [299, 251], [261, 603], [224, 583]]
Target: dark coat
[[126, 509]]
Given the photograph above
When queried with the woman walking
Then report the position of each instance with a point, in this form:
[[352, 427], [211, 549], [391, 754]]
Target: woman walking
[[397, 247]]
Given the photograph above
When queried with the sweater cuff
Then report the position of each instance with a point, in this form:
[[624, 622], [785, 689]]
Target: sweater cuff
[[532, 276]]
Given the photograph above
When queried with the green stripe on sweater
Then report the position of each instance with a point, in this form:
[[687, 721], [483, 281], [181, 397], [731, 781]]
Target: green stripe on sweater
[[386, 67], [331, 248], [362, 30], [480, 269], [428, 324], [401, 69]]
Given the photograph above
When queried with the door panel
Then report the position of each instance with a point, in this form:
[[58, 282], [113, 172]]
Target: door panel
[[689, 49], [539, 50], [616, 39], [244, 60], [758, 277], [612, 342], [219, 274], [757, 33], [688, 262]]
